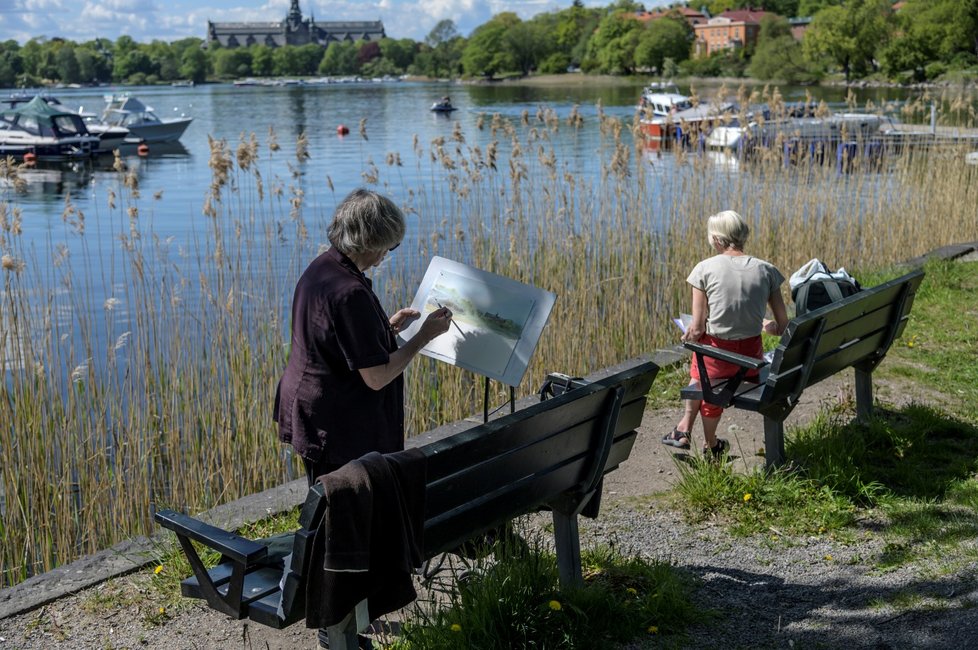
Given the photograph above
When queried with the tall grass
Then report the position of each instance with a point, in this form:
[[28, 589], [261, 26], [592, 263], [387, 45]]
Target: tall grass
[[161, 393]]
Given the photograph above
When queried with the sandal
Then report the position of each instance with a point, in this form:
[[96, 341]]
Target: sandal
[[718, 451], [676, 438]]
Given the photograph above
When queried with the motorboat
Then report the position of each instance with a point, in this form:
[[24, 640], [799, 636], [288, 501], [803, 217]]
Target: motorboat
[[109, 137], [141, 120], [45, 132], [443, 105], [836, 127], [667, 114]]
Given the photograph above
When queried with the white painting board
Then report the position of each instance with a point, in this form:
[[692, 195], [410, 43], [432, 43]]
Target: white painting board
[[496, 321]]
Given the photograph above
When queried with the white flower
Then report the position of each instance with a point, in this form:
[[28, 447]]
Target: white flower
[[110, 303]]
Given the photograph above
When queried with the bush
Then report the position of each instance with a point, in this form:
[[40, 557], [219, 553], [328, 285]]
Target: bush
[[935, 70], [556, 63]]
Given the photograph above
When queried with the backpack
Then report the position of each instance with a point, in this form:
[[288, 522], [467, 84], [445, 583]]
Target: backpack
[[814, 286]]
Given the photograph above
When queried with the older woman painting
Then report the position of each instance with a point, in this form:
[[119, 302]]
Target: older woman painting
[[342, 393], [731, 292]]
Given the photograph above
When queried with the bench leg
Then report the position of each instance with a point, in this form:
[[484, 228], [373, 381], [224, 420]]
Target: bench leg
[[864, 395], [774, 442], [568, 544]]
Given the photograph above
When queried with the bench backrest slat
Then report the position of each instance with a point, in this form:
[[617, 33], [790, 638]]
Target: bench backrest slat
[[857, 328]]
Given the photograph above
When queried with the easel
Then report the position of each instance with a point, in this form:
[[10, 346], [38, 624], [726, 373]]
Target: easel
[[485, 401]]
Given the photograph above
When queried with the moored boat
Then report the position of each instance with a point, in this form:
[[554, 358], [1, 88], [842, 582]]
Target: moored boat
[[667, 114], [44, 132], [836, 127], [109, 137], [141, 120]]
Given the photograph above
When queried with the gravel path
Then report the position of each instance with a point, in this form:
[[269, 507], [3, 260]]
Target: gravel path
[[753, 592]]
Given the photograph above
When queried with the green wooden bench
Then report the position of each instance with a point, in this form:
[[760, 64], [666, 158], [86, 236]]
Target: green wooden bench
[[855, 332], [552, 454]]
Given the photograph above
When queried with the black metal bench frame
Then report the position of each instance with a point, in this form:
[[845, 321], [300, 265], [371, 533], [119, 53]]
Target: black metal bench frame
[[552, 454], [855, 332]]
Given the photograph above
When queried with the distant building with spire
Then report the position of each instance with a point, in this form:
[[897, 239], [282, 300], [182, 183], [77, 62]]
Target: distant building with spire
[[294, 30]]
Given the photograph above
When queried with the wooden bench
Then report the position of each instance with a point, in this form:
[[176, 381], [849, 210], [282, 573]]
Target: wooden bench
[[551, 454], [854, 332]]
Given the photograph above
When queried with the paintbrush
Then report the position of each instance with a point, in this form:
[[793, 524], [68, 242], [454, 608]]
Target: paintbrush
[[440, 306]]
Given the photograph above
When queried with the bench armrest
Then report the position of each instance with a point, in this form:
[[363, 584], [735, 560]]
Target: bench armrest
[[226, 543], [741, 360], [723, 396]]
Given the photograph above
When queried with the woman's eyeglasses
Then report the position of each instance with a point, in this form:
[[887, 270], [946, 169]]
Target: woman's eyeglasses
[[393, 248]]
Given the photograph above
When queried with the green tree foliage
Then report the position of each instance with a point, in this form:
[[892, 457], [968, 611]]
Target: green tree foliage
[[399, 52], [69, 71], [784, 8], [849, 35], [262, 64], [809, 8], [232, 62], [778, 55], [665, 38], [612, 48], [487, 51], [442, 54], [193, 65], [340, 60], [932, 31], [11, 64]]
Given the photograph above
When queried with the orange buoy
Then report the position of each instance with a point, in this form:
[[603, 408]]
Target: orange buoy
[[143, 149], [342, 130], [30, 158]]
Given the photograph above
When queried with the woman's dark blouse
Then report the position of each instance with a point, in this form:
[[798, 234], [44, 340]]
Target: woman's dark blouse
[[322, 406]]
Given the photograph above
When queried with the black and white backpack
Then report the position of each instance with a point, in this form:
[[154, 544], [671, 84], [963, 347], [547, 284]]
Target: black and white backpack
[[814, 286]]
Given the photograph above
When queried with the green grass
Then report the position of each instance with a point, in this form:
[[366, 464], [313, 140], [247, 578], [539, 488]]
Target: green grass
[[940, 344], [516, 602]]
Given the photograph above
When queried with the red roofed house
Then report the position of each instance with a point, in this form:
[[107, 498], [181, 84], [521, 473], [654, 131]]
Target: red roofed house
[[692, 16], [730, 30]]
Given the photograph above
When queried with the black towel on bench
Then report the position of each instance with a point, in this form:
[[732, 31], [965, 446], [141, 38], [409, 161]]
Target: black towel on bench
[[370, 539]]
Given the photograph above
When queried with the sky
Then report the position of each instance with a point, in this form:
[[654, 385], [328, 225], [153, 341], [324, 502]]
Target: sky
[[168, 20]]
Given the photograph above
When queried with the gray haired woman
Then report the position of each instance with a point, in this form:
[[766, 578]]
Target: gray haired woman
[[342, 393]]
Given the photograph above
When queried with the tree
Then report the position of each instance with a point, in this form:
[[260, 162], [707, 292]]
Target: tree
[[132, 62], [261, 61], [612, 48], [849, 35], [339, 59], [400, 52], [232, 62], [666, 38], [193, 65], [778, 55], [446, 46], [528, 43], [286, 61], [308, 57], [486, 52], [68, 69], [11, 65]]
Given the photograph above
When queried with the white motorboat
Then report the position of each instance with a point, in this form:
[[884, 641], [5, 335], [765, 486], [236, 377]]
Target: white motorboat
[[665, 112], [141, 120], [832, 128], [45, 132], [109, 137]]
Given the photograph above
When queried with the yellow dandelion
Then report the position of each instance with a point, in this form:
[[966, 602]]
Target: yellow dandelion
[[456, 627], [162, 610], [555, 605], [821, 529], [653, 629], [158, 569], [774, 538], [747, 497], [632, 590], [828, 557]]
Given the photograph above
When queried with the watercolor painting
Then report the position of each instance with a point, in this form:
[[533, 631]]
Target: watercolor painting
[[496, 321]]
